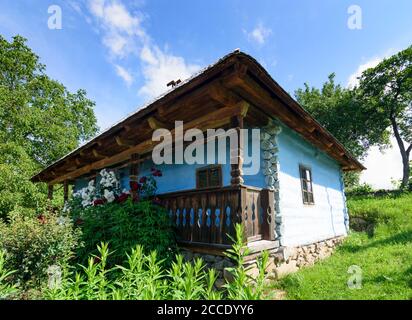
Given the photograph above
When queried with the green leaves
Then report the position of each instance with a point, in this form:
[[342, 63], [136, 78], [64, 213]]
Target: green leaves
[[40, 121], [124, 226], [386, 93]]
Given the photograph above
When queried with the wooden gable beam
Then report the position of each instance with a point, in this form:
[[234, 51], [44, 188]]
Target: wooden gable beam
[[122, 142], [98, 154], [155, 124]]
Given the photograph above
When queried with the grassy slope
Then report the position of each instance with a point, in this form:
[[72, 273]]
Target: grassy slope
[[385, 257]]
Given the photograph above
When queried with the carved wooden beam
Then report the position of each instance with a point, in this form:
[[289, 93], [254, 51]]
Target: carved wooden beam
[[156, 124], [97, 154], [124, 142], [219, 94]]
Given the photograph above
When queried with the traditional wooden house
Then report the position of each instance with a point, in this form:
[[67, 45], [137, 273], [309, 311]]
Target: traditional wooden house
[[296, 198]]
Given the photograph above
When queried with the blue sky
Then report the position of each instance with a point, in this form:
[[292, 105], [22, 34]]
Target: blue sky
[[124, 52]]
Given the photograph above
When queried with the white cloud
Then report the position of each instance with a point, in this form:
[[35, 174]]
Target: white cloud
[[124, 74], [353, 79], [259, 34], [382, 168], [124, 36], [159, 68]]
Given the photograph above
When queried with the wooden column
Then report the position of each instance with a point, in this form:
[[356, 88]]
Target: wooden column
[[65, 190], [236, 156], [50, 192], [134, 173]]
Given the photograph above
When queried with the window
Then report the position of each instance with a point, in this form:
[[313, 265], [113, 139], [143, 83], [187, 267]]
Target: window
[[306, 181], [209, 177]]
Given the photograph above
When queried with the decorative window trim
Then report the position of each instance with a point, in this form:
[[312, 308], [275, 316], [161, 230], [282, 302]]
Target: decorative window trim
[[208, 169], [307, 193]]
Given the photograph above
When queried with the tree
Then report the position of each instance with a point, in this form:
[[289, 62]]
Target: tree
[[339, 110], [386, 91], [40, 121]]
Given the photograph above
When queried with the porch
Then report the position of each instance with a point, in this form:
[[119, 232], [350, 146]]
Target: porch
[[204, 220]]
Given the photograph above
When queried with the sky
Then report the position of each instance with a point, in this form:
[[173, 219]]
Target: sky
[[123, 53]]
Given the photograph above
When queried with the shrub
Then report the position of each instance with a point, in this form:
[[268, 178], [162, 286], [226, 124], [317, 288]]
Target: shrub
[[6, 289], [32, 244], [144, 277], [125, 225], [241, 287]]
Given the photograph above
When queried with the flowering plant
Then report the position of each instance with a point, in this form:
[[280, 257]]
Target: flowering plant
[[107, 190]]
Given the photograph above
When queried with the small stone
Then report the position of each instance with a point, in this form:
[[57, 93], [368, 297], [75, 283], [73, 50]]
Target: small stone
[[266, 145], [209, 258], [267, 155], [219, 265], [219, 283], [265, 136], [188, 255], [228, 275]]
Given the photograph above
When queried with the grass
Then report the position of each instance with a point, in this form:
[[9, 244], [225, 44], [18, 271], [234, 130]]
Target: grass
[[384, 256]]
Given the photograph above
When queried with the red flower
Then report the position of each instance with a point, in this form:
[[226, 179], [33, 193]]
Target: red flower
[[41, 218], [122, 198], [134, 186], [79, 221], [143, 180], [99, 202], [157, 173]]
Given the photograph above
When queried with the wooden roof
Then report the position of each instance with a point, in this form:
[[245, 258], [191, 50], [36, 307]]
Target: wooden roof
[[207, 100]]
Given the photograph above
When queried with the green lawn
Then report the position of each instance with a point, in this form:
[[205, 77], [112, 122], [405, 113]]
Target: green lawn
[[384, 257]]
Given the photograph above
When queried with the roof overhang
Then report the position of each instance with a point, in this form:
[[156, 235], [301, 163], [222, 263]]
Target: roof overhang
[[217, 89]]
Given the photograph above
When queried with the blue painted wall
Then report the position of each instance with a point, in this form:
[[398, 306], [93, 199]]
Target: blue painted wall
[[301, 223], [304, 224], [179, 177]]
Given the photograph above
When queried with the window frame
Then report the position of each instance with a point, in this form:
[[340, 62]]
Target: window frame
[[208, 170], [303, 180]]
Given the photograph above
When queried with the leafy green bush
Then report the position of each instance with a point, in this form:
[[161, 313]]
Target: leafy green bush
[[6, 289], [123, 226], [145, 277], [32, 244]]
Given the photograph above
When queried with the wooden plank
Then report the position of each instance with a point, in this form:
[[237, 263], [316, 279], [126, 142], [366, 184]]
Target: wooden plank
[[268, 206]]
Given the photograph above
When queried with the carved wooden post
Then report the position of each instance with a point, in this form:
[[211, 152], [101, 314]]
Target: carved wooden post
[[236, 155], [65, 190], [50, 192], [134, 172]]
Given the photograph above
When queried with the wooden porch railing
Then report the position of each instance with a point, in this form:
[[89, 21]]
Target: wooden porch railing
[[208, 216]]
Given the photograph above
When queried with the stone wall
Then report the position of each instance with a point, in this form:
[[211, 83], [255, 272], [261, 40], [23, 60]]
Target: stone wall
[[282, 261], [270, 168]]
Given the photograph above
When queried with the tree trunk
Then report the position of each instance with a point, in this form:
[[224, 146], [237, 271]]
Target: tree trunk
[[404, 153]]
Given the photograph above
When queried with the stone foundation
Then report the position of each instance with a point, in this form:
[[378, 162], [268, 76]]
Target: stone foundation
[[282, 260]]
